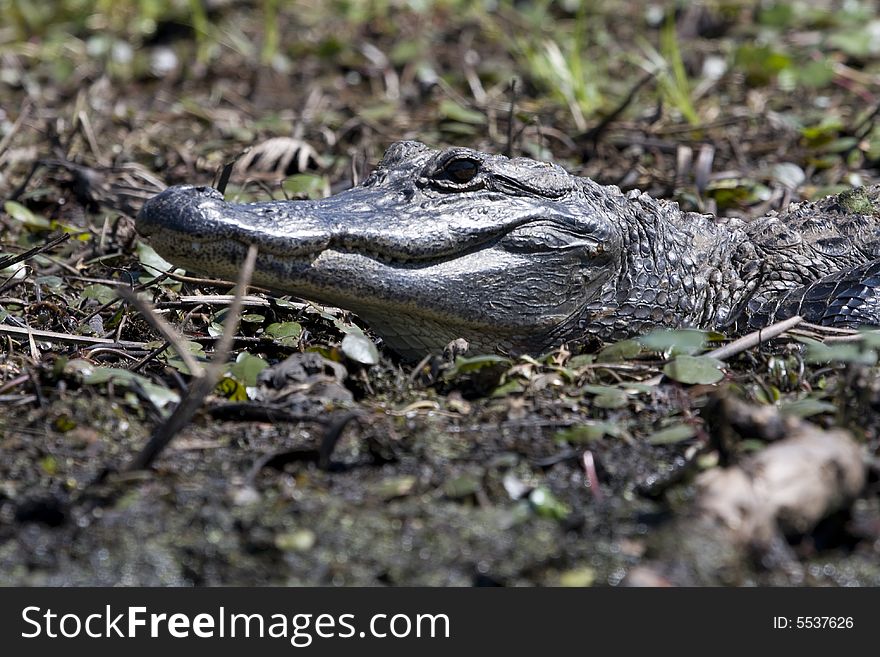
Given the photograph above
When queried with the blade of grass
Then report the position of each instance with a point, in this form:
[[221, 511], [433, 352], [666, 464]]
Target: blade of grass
[[675, 81]]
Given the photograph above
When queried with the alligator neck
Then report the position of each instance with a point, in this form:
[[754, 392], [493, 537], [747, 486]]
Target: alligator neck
[[680, 269]]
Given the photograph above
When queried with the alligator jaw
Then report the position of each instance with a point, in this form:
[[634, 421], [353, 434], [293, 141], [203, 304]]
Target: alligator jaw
[[418, 289]]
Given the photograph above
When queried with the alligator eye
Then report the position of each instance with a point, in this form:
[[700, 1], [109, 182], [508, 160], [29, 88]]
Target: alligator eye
[[461, 170]]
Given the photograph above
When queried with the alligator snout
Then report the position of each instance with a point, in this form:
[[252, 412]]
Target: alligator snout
[[180, 208]]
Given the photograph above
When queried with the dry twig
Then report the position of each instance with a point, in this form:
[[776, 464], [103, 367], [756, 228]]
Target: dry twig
[[755, 338], [67, 338], [202, 385], [8, 261]]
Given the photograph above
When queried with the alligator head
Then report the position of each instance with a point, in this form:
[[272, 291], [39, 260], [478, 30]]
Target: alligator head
[[433, 246]]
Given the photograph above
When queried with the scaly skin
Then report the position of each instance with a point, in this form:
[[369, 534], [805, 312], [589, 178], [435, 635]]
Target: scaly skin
[[516, 255]]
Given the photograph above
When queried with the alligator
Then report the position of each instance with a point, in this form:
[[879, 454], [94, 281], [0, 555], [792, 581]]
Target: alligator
[[519, 256]]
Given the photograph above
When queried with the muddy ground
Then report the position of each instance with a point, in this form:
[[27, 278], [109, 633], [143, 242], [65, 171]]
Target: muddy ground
[[572, 468]]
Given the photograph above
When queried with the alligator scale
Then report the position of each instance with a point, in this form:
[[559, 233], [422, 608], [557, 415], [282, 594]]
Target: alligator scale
[[516, 255]]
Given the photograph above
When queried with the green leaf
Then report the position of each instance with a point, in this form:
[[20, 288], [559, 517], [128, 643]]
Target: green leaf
[[777, 14], [581, 360], [607, 396], [760, 62], [247, 367], [729, 193], [360, 349], [452, 111], [287, 303], [53, 282], [611, 399], [843, 352], [64, 423], [173, 359], [285, 333], [49, 465], [623, 350], [694, 369], [343, 325], [154, 264], [806, 407], [547, 505], [816, 73], [841, 145], [674, 434], [870, 337], [586, 432], [767, 394], [159, 396], [467, 365], [856, 43], [406, 52], [307, 185], [510, 387], [682, 341], [459, 129], [20, 213], [823, 132], [100, 293]]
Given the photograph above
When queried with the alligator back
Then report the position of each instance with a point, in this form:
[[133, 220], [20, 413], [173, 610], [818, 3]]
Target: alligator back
[[819, 259]]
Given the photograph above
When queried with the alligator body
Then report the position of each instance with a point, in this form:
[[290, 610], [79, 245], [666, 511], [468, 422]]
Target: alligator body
[[516, 255]]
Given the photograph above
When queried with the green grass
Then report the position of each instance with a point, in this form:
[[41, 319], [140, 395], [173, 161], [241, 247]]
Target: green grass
[[574, 59], [668, 67], [558, 56], [673, 78]]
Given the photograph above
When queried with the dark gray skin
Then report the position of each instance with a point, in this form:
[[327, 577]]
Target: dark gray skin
[[515, 255]]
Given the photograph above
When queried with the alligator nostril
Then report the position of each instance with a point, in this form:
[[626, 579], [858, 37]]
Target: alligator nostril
[[198, 190]]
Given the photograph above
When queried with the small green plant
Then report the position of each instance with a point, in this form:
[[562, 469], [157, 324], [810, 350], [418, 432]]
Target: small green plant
[[674, 82], [562, 62], [271, 38], [668, 66], [202, 30]]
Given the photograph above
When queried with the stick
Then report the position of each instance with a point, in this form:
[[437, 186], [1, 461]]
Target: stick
[[8, 261], [755, 338], [511, 115], [67, 338], [202, 386]]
